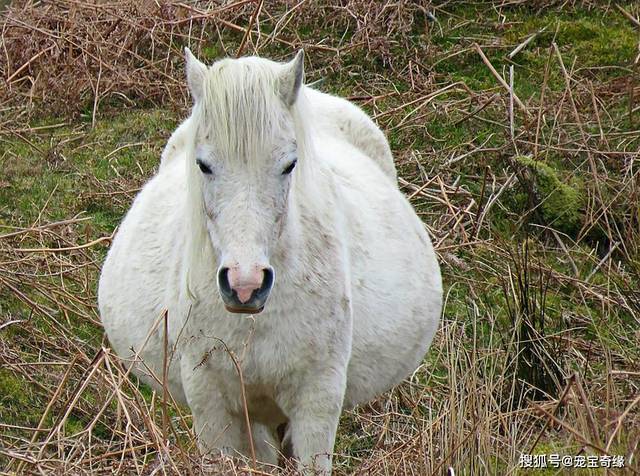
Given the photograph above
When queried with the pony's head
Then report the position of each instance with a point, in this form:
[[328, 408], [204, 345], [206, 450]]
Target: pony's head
[[241, 167]]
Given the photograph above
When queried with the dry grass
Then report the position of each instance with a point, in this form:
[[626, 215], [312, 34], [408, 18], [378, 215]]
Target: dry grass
[[118, 51], [527, 179]]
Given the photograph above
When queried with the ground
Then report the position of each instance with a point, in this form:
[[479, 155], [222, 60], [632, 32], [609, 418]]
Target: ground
[[531, 194]]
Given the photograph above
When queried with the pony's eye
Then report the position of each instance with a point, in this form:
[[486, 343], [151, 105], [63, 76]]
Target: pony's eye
[[290, 167], [204, 168]]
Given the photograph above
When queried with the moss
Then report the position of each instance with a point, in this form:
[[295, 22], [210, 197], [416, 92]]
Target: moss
[[599, 44], [18, 403], [73, 425], [560, 203], [210, 53]]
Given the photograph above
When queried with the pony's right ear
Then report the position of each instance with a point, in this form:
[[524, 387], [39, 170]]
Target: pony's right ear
[[196, 71], [292, 79]]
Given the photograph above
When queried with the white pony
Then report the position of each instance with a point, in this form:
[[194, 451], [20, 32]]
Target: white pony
[[277, 198]]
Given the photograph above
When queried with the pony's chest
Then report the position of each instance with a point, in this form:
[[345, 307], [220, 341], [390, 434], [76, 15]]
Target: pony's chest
[[264, 351], [269, 356]]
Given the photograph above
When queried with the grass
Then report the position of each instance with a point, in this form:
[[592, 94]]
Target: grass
[[534, 214]]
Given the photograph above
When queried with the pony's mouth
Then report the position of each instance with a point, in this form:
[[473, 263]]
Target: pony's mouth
[[244, 309]]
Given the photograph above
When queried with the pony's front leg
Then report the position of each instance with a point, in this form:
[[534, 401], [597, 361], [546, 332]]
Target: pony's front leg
[[217, 429], [313, 412]]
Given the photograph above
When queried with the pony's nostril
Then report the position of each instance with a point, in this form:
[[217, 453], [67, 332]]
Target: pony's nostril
[[267, 279], [223, 281]]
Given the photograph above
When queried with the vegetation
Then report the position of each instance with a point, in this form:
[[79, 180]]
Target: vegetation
[[515, 126]]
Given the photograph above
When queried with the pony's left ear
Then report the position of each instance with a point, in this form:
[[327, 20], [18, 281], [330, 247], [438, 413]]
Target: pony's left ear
[[292, 79]]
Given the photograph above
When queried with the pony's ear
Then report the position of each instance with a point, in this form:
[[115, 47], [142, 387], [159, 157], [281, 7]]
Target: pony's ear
[[292, 79], [195, 74]]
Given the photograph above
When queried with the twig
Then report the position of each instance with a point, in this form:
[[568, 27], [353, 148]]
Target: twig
[[31, 60], [420, 99], [68, 248], [604, 259], [165, 375], [476, 111], [631, 18], [8, 323], [96, 98], [247, 33], [500, 79], [524, 44], [243, 395]]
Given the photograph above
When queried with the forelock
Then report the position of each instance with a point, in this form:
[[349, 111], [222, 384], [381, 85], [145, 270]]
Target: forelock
[[241, 110]]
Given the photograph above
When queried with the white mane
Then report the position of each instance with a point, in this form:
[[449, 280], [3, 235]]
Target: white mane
[[241, 98]]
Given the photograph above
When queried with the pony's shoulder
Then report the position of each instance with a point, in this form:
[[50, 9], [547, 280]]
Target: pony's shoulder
[[341, 118]]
